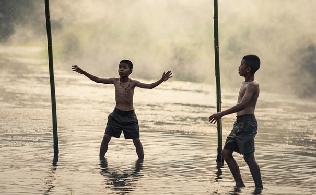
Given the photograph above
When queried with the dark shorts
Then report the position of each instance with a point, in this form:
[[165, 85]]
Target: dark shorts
[[125, 121], [241, 138]]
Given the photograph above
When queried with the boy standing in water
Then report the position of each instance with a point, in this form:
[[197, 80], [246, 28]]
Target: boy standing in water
[[241, 138], [123, 117]]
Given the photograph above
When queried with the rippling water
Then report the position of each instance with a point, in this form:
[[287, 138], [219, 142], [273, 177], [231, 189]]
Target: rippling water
[[179, 143]]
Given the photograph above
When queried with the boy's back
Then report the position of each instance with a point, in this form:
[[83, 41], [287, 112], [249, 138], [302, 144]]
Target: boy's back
[[252, 88]]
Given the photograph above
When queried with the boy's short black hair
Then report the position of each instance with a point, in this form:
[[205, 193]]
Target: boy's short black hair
[[128, 62], [253, 62]]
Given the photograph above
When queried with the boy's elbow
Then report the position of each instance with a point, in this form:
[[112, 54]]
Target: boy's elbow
[[97, 80]]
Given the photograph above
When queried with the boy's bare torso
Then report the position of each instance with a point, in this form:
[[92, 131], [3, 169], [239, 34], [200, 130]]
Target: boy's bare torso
[[250, 108], [124, 93]]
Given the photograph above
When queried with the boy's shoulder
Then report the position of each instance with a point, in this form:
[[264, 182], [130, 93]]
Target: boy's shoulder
[[114, 79], [255, 85], [133, 80], [255, 82], [252, 83]]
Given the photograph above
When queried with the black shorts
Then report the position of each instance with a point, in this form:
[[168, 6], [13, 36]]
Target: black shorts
[[241, 138], [125, 121]]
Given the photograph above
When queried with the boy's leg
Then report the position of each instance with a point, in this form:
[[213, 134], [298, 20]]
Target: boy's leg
[[254, 170], [139, 148], [233, 167], [104, 144]]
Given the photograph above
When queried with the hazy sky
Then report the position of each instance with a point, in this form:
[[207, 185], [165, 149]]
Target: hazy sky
[[178, 35]]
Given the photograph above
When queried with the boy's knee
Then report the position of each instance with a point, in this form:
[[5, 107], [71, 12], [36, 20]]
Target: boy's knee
[[106, 138], [226, 154], [136, 141]]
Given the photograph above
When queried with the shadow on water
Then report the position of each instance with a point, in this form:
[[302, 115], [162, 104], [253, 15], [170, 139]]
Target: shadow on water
[[117, 180]]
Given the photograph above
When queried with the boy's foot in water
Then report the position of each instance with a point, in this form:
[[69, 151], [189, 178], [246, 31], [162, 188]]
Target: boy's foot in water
[[238, 186], [258, 190]]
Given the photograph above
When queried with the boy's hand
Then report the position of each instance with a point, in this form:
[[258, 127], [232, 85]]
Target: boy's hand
[[77, 69], [215, 117], [166, 75]]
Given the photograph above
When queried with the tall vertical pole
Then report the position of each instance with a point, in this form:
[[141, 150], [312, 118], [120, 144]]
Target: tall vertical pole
[[219, 159], [52, 84]]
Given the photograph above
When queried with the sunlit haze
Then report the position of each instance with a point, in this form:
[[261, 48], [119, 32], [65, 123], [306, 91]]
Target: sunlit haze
[[178, 35]]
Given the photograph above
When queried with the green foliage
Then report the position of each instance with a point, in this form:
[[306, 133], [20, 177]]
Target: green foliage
[[181, 58], [307, 64], [67, 45], [16, 13]]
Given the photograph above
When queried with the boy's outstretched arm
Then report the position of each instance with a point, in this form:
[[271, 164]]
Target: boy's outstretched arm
[[90, 76], [238, 107], [165, 76]]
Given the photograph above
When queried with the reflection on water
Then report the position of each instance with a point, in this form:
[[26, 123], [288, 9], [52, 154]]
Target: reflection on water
[[180, 145], [118, 180], [50, 180]]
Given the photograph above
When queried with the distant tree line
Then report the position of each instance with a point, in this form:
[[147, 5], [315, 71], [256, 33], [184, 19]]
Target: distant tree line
[[17, 12], [307, 65]]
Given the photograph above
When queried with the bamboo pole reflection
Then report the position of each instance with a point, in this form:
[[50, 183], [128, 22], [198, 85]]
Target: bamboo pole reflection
[[50, 180]]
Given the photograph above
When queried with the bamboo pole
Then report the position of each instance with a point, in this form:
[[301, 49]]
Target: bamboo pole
[[52, 84], [219, 159]]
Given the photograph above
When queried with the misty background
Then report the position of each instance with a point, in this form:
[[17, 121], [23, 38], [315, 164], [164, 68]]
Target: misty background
[[174, 35]]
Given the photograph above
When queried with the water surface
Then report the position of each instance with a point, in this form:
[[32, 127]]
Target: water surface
[[180, 145]]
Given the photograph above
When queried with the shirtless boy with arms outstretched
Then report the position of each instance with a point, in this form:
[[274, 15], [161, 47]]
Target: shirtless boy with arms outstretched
[[123, 118], [241, 138]]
